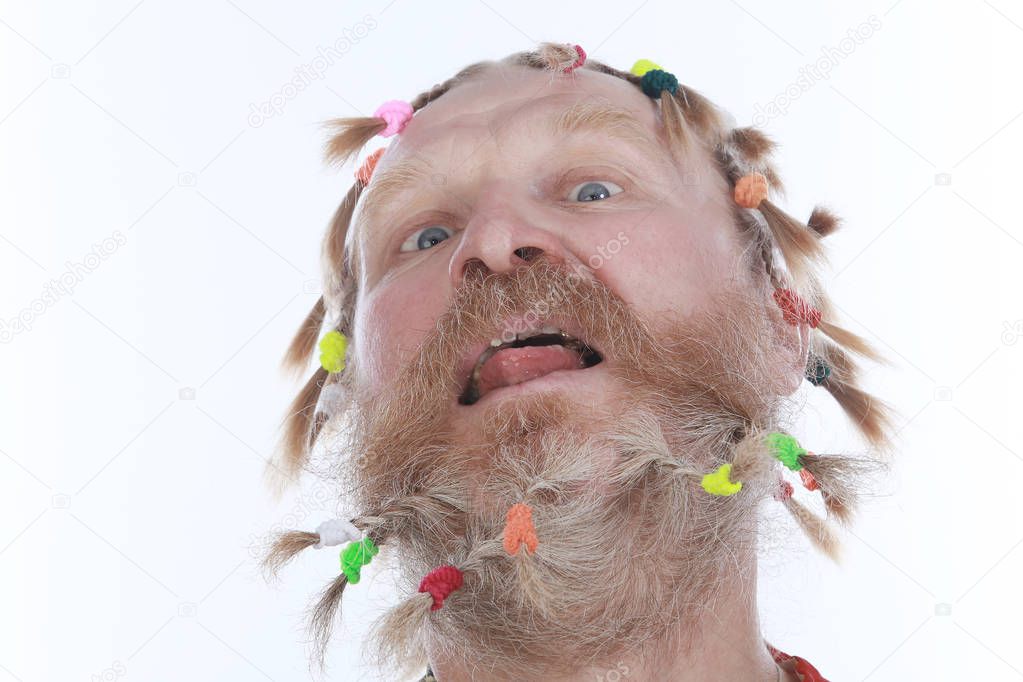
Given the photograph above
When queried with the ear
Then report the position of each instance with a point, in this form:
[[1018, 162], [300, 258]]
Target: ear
[[792, 346]]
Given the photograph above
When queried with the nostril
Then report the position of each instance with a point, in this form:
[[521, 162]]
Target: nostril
[[474, 267], [528, 253]]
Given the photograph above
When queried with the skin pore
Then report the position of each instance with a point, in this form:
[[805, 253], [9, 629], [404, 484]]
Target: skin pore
[[492, 176]]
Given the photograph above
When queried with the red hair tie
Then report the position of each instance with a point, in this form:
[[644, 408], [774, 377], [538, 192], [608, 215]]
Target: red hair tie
[[796, 310], [809, 482], [440, 583], [578, 62]]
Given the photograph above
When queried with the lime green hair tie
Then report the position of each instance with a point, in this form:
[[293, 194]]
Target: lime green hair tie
[[786, 449], [718, 482], [332, 351], [356, 555], [642, 66]]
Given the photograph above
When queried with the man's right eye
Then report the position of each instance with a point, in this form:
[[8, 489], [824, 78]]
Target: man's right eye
[[426, 238]]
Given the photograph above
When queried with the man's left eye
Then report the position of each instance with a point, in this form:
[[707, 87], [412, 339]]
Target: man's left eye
[[593, 191]]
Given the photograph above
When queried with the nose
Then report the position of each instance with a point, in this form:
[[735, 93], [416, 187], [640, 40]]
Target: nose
[[499, 241]]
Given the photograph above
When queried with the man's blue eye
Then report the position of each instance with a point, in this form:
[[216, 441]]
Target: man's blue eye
[[594, 191], [426, 238]]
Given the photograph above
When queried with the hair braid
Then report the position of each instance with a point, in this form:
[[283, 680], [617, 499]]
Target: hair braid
[[380, 526], [424, 98]]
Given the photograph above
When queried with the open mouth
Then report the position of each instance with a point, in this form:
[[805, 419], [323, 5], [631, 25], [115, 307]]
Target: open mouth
[[532, 354]]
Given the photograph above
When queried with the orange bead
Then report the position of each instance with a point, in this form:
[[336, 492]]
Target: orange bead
[[519, 529], [809, 482], [365, 171], [750, 190]]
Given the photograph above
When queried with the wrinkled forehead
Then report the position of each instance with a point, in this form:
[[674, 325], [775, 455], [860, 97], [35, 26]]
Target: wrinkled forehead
[[507, 101]]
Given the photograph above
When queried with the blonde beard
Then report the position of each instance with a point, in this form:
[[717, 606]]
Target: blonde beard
[[630, 551]]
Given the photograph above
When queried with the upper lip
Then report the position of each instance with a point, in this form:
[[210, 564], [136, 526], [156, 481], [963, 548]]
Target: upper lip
[[567, 325]]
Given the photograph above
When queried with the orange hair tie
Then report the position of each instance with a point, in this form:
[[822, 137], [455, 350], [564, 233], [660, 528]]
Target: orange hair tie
[[809, 482], [519, 528], [365, 171], [750, 190]]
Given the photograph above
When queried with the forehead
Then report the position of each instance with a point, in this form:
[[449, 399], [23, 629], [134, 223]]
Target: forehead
[[505, 99]]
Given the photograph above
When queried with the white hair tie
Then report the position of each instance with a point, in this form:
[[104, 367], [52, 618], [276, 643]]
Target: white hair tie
[[336, 532]]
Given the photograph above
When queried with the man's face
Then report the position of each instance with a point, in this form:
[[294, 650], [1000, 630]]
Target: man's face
[[487, 177], [482, 221]]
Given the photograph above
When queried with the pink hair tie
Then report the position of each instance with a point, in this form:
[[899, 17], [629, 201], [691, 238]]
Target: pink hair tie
[[396, 113], [578, 62]]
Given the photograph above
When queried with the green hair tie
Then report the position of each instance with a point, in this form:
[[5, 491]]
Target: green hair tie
[[356, 555], [786, 449], [656, 80], [819, 373]]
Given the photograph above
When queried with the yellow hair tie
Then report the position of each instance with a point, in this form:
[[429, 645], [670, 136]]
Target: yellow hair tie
[[642, 66], [332, 351], [718, 483]]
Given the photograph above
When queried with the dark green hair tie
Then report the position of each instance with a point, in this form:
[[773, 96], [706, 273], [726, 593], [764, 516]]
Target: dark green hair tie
[[655, 80], [818, 373]]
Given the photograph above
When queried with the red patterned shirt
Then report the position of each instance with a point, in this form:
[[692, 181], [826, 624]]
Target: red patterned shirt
[[800, 667]]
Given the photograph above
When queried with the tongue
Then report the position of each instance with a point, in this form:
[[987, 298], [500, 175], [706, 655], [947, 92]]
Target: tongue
[[511, 366]]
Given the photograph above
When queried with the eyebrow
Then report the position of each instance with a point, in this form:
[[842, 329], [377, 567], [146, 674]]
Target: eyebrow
[[591, 115], [391, 183], [615, 121]]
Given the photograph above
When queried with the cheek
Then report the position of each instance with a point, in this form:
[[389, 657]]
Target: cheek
[[391, 321], [669, 261]]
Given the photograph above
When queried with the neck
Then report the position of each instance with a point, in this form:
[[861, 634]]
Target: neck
[[725, 644]]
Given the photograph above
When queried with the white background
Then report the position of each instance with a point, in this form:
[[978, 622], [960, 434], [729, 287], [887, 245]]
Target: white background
[[139, 407]]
